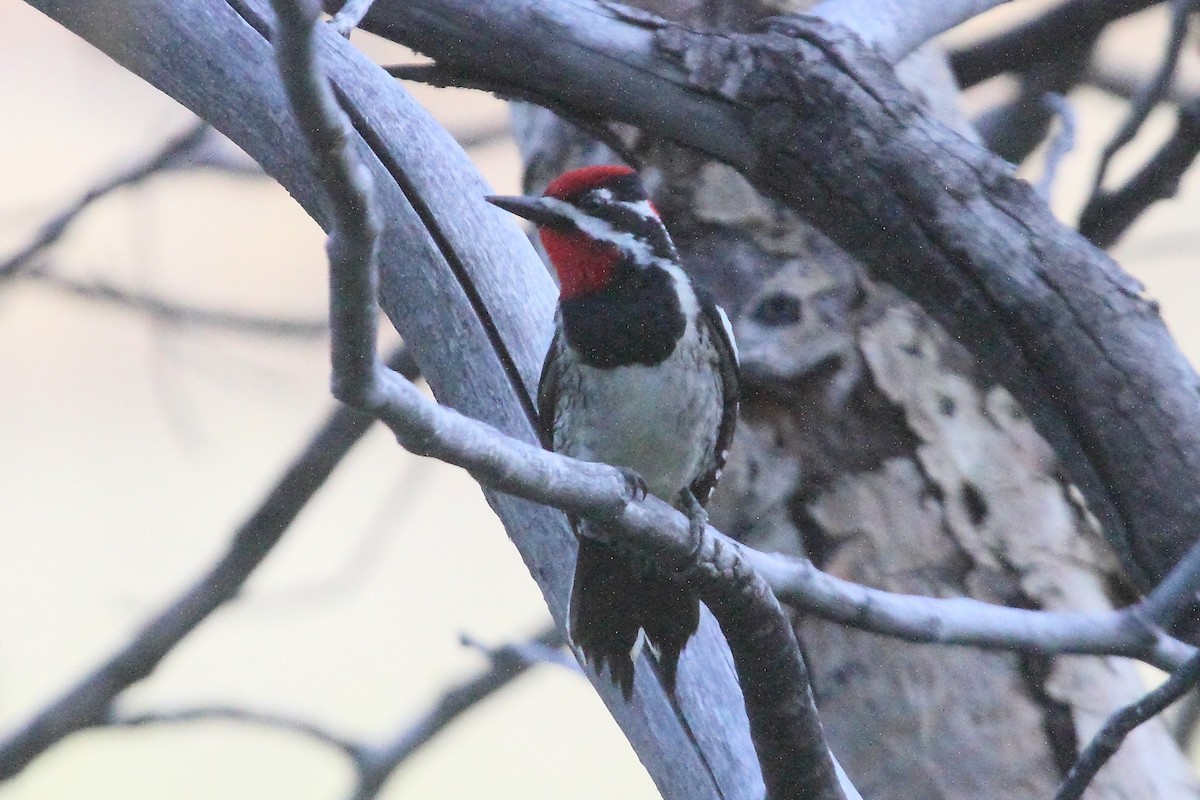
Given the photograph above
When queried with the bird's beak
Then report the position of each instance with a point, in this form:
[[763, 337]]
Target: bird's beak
[[538, 210]]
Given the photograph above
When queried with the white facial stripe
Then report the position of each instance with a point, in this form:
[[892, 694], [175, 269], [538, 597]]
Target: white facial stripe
[[639, 252]]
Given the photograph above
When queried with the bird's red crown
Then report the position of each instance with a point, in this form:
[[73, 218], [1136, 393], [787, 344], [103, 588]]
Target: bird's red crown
[[584, 178], [583, 264]]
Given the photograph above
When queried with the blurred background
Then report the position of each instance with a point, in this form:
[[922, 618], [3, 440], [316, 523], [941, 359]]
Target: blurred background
[[132, 444]]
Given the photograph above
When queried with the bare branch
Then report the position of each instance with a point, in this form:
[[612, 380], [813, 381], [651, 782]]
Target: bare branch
[[1131, 632], [374, 764], [897, 27], [378, 763], [173, 313], [1016, 128], [784, 726], [1108, 214], [175, 151], [300, 727], [1049, 316], [88, 702], [1060, 145], [1120, 724], [451, 267], [1152, 93], [351, 14], [1041, 39], [596, 127]]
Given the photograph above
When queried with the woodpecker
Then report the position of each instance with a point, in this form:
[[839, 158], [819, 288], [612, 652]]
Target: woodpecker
[[641, 374]]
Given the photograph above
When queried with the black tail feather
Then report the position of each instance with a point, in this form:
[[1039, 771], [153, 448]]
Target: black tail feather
[[612, 599]]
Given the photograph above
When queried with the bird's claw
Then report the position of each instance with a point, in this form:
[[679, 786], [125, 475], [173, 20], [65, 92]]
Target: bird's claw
[[697, 521], [635, 485]]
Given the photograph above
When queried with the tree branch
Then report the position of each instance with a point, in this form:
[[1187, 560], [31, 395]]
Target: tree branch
[[508, 663], [374, 764], [1109, 213], [174, 313], [1041, 39], [818, 121], [1134, 631], [792, 753], [89, 701], [452, 269], [1121, 724], [1151, 94], [171, 154]]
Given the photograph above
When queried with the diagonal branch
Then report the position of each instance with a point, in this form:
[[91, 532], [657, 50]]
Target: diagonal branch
[[1041, 39], [89, 701], [176, 313], [1151, 94], [374, 763], [1109, 213], [1121, 724], [171, 154]]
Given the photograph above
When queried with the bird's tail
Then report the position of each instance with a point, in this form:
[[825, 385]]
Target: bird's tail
[[613, 598]]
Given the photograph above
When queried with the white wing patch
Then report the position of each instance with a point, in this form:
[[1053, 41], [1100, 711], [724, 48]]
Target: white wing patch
[[728, 332]]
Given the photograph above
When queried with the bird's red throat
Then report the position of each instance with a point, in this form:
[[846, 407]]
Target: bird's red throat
[[583, 264]]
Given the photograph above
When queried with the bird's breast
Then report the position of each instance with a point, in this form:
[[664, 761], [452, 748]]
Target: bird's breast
[[660, 421]]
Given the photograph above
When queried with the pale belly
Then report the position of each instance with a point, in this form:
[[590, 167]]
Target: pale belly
[[661, 425]]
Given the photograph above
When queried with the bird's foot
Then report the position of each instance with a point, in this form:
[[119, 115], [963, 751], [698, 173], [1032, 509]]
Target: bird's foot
[[697, 524], [635, 485]]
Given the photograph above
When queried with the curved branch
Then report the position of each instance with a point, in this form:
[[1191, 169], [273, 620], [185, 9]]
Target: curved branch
[[452, 269], [374, 764], [1151, 94], [817, 120], [1108, 214], [784, 726]]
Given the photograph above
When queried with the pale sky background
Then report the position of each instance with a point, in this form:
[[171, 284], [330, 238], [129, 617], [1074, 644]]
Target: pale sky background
[[130, 449]]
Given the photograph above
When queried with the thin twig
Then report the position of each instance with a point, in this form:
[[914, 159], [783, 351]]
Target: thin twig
[[785, 729], [1121, 724], [89, 700], [1150, 95], [174, 313], [441, 75], [1060, 145], [169, 156], [350, 15], [1108, 214], [246, 716], [1132, 631], [1014, 129], [507, 664], [375, 764]]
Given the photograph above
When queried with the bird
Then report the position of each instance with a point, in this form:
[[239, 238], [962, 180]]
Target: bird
[[641, 374]]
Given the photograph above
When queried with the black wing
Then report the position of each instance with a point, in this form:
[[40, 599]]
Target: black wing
[[721, 335], [548, 387]]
